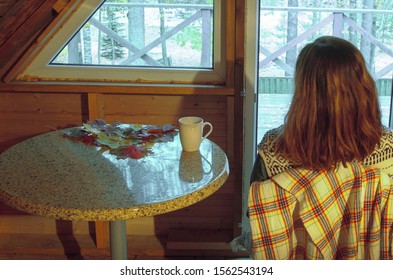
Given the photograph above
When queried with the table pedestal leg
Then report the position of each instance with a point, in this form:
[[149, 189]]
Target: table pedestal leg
[[118, 240]]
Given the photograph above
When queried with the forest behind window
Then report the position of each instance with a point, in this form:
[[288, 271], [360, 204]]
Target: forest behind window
[[159, 33], [287, 25]]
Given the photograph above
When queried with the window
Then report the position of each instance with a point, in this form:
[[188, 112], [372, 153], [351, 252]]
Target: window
[[134, 41], [287, 26], [276, 32], [141, 34]]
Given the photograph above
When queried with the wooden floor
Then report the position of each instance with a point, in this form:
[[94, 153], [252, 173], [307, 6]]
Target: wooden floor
[[83, 247]]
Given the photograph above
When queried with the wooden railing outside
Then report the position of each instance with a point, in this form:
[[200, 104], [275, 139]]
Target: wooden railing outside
[[203, 12], [284, 85], [338, 19], [275, 92]]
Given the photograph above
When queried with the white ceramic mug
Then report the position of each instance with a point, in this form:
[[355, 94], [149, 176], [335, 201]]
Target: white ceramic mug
[[191, 132]]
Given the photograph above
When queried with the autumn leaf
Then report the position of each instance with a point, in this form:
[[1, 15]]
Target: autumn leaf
[[134, 152], [168, 128], [88, 139], [156, 131], [123, 140]]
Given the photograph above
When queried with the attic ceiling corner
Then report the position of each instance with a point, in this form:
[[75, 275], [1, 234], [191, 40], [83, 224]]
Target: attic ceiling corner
[[21, 24]]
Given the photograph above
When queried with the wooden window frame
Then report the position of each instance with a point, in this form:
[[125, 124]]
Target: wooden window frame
[[30, 70]]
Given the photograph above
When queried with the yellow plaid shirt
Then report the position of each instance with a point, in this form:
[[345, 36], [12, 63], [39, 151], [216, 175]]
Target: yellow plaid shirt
[[305, 214]]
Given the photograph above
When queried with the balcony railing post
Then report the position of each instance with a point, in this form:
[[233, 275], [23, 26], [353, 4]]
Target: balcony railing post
[[206, 34], [338, 24]]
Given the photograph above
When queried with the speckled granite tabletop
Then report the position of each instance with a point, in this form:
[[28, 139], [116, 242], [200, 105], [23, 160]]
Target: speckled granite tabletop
[[52, 176]]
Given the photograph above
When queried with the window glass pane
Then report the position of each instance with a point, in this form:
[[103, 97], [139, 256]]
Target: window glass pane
[[138, 33], [287, 25]]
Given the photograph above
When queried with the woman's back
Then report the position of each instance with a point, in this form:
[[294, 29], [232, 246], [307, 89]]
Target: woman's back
[[334, 116]]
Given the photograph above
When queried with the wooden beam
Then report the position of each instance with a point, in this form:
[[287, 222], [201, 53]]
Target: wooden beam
[[96, 106], [230, 151], [118, 89], [60, 5], [238, 125], [230, 42], [102, 235]]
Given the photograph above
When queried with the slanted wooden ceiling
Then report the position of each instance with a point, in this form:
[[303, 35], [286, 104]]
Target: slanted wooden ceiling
[[21, 22], [5, 6]]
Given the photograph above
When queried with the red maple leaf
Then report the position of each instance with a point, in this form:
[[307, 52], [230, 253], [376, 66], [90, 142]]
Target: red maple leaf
[[134, 152], [156, 131], [88, 139]]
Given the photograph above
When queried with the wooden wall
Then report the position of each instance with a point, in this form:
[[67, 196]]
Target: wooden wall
[[28, 110], [26, 114]]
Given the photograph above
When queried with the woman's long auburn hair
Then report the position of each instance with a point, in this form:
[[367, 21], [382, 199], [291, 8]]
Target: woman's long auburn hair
[[334, 116]]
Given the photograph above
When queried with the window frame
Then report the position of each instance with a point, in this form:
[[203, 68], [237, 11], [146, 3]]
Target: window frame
[[38, 69]]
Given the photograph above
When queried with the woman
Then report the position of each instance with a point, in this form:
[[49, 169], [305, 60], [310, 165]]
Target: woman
[[334, 116], [331, 206]]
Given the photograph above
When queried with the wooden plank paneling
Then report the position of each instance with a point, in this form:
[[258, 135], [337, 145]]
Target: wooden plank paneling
[[40, 102], [168, 109], [17, 42], [23, 115], [15, 14], [31, 224], [6, 5], [169, 106]]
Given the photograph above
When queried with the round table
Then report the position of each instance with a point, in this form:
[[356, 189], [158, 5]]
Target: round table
[[52, 176]]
